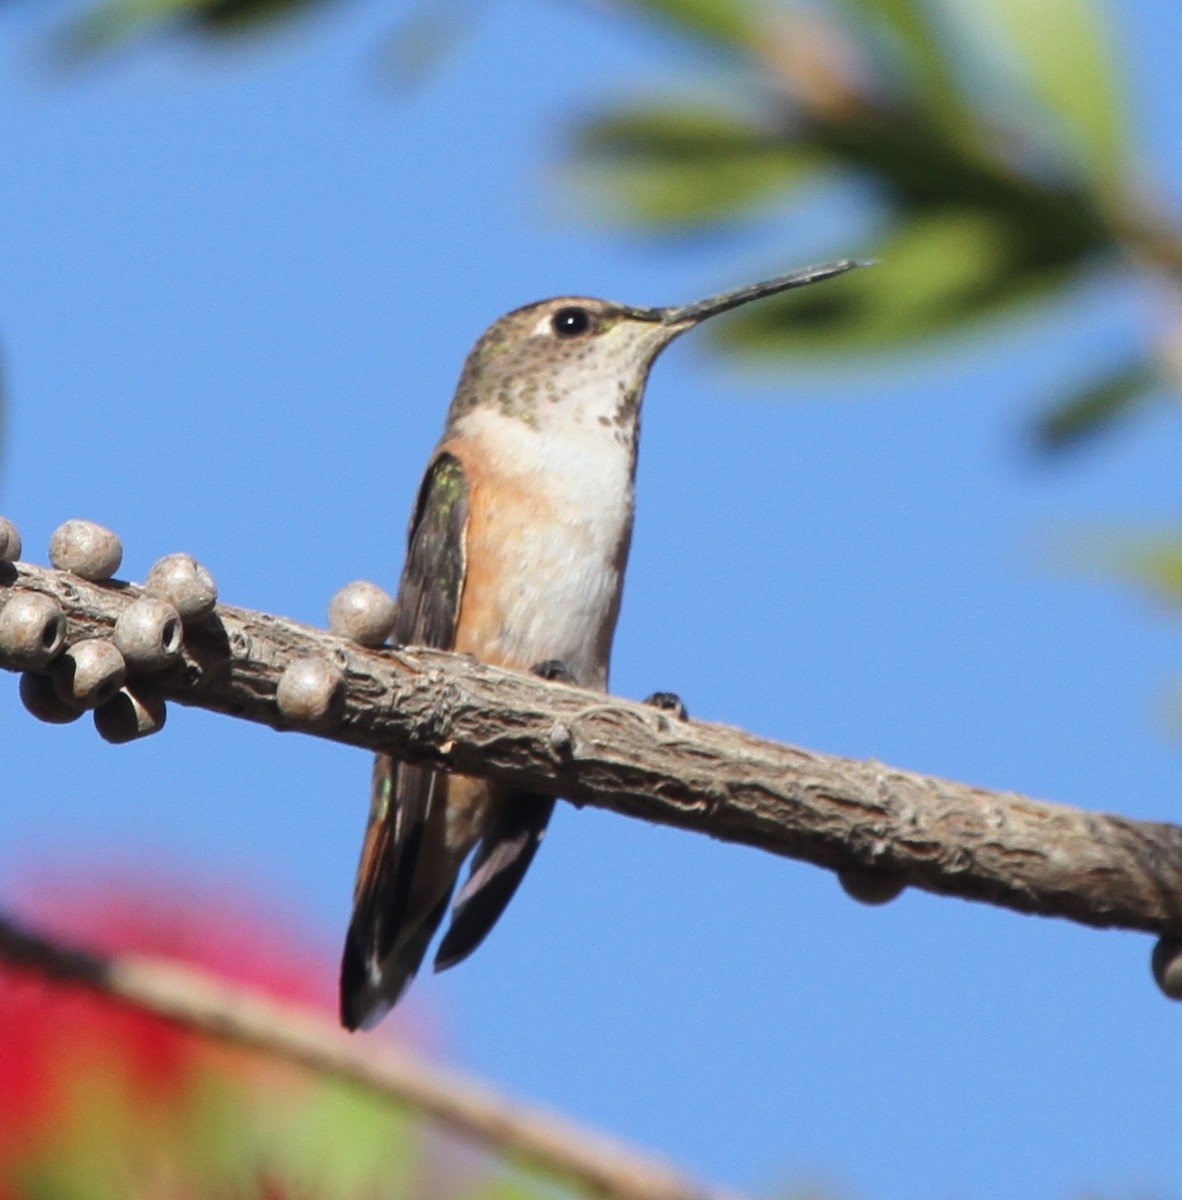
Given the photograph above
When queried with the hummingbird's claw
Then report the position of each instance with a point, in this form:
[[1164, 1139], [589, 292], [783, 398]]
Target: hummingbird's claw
[[555, 670], [669, 702]]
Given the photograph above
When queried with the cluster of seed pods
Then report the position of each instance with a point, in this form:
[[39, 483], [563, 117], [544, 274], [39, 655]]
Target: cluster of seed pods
[[111, 677]]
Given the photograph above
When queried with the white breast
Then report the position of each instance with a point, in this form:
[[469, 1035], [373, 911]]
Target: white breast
[[562, 545]]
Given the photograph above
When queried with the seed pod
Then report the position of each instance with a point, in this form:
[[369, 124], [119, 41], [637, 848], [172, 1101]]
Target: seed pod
[[148, 634], [32, 630], [362, 611], [180, 580], [1167, 966], [40, 697], [89, 550], [311, 690], [89, 673], [10, 541], [130, 714], [870, 887]]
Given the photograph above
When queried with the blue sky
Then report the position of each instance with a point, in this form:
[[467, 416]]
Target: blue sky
[[237, 289]]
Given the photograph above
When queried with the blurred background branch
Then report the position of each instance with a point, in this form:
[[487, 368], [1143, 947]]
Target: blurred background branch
[[215, 1008]]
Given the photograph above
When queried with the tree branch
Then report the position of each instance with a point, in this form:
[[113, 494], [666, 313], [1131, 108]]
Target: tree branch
[[429, 706], [200, 1001]]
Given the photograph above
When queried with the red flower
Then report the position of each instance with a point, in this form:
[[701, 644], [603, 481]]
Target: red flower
[[99, 1099], [52, 1037]]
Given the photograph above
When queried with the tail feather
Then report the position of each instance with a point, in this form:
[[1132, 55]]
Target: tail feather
[[500, 862], [408, 874], [371, 987], [394, 914]]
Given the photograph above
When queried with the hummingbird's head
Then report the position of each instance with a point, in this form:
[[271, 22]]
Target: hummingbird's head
[[564, 361], [575, 363]]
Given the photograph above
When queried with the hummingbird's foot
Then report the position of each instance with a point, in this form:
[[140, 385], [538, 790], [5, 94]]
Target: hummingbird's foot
[[669, 702], [555, 670]]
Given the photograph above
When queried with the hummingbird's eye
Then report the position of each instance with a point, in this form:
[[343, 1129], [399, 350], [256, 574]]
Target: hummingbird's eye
[[572, 322]]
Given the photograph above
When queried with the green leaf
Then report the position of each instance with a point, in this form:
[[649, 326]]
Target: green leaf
[[682, 164], [112, 23], [105, 26], [1064, 49], [1100, 403], [937, 272], [510, 1184], [732, 23], [234, 16], [343, 1143], [1159, 567], [913, 33], [1152, 562]]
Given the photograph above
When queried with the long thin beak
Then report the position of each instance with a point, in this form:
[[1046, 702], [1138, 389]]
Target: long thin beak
[[691, 314]]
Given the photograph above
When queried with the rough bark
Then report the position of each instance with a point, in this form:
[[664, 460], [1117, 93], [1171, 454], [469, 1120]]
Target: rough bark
[[426, 705]]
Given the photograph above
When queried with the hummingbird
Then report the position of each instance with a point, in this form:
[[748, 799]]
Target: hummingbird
[[516, 554]]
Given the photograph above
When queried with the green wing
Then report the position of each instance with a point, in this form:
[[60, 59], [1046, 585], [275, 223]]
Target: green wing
[[387, 937]]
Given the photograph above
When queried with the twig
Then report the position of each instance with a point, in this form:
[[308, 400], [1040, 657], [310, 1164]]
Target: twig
[[200, 1001], [426, 705]]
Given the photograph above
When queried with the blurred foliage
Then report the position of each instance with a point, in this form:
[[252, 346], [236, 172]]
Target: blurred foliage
[[990, 140], [1157, 565], [1065, 54], [1099, 403], [997, 177], [110, 23], [991, 143], [102, 1101], [690, 164], [98, 1100], [728, 22]]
